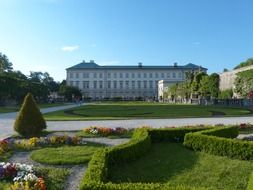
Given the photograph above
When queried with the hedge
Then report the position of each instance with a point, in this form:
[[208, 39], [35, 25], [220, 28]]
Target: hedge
[[95, 177], [213, 141], [250, 182]]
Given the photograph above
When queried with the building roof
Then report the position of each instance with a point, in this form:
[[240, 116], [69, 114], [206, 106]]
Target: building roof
[[93, 65]]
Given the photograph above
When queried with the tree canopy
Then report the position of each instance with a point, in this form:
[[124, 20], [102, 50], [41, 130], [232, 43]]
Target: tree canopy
[[245, 63]]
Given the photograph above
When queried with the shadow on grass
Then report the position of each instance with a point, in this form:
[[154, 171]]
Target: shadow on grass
[[163, 161]]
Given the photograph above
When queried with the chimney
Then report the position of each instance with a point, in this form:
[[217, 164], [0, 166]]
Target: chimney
[[140, 64], [175, 64], [83, 61], [92, 61]]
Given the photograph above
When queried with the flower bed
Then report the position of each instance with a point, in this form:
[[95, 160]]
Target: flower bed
[[105, 131], [22, 175]]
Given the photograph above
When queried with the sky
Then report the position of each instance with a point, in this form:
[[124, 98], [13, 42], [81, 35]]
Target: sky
[[52, 35]]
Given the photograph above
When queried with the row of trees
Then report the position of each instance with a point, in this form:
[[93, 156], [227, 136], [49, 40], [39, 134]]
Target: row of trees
[[197, 85], [14, 85]]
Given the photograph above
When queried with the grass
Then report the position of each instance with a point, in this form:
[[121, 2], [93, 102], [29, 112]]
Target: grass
[[65, 154], [54, 178], [171, 162], [7, 109], [132, 110]]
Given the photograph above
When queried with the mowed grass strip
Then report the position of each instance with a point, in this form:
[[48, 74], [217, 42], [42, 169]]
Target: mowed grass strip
[[173, 163], [130, 110], [65, 154]]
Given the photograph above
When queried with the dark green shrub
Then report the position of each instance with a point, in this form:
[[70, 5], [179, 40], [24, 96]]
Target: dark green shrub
[[29, 121], [250, 182]]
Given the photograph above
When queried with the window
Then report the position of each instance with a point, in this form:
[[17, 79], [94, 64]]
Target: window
[[95, 75], [108, 84], [133, 84], [139, 75], [150, 84], [179, 75], [150, 75], [133, 75], [114, 84], [121, 75], [77, 75], [95, 84], [127, 75], [109, 75], [71, 83], [85, 75], [127, 84], [115, 75], [71, 75], [139, 84], [168, 75], [162, 75], [145, 75], [100, 84], [174, 75], [100, 75], [77, 84], [145, 84], [85, 84], [121, 84], [156, 75]]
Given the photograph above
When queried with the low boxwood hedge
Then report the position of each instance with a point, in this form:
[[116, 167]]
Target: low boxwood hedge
[[95, 177]]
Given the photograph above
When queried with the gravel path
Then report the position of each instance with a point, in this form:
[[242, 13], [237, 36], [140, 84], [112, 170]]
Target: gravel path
[[77, 171]]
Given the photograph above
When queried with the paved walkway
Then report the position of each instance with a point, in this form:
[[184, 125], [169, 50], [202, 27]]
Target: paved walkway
[[7, 120]]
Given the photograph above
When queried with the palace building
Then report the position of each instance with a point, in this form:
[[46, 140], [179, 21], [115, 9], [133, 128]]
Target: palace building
[[126, 82]]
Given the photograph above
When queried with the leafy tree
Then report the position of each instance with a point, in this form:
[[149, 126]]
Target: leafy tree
[[244, 83], [69, 91], [195, 86], [226, 94], [5, 64], [225, 70], [245, 63], [214, 83], [29, 122]]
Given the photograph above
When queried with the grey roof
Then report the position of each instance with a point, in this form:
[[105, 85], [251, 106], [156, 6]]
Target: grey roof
[[93, 65]]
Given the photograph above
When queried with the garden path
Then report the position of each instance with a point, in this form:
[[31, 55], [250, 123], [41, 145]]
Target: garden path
[[77, 171]]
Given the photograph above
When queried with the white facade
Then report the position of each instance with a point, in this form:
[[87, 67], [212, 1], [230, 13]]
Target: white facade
[[127, 82]]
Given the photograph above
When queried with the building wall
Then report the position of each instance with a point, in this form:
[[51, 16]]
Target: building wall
[[227, 79], [125, 83]]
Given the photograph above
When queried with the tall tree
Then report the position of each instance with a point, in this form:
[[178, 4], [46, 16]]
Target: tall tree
[[5, 64]]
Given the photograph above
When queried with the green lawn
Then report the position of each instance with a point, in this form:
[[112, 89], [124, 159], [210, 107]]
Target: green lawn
[[125, 110], [7, 109], [65, 154], [54, 178], [174, 164]]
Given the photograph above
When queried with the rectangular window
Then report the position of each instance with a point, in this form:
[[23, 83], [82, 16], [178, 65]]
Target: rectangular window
[[133, 84], [121, 84], [71, 75], [86, 85], [150, 84], [71, 83], [121, 75], [77, 84], [109, 75], [85, 75], [150, 75], [180, 75], [95, 75], [139, 84], [156, 75], [114, 84], [95, 84], [168, 75], [108, 84], [115, 75], [174, 75], [162, 75], [127, 84], [145, 84], [133, 75], [145, 75], [139, 75], [100, 75], [100, 84], [77, 75]]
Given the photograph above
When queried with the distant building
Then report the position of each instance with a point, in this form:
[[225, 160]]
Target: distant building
[[126, 82], [163, 86], [227, 79]]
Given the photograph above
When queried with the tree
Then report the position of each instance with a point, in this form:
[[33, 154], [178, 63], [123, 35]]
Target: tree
[[245, 63], [29, 122], [5, 64], [69, 91], [226, 94], [195, 85], [214, 83], [244, 83]]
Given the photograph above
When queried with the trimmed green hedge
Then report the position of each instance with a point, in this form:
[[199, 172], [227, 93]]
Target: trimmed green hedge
[[95, 177], [219, 141], [250, 182]]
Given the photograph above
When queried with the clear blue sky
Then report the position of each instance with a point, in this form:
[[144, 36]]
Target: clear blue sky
[[51, 35]]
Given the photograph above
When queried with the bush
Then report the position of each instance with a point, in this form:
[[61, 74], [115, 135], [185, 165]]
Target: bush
[[219, 142], [95, 177], [29, 122]]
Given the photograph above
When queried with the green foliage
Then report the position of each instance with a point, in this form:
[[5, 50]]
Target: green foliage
[[245, 63], [29, 121], [68, 91], [226, 94], [244, 83], [250, 182], [5, 64], [209, 86], [218, 142]]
